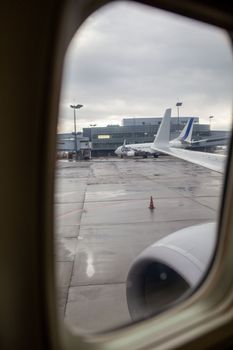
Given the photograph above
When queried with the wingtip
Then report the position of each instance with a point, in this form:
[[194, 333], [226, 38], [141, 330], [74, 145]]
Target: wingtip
[[163, 133], [168, 112]]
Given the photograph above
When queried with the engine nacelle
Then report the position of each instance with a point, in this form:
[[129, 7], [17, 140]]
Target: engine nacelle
[[164, 272], [130, 153]]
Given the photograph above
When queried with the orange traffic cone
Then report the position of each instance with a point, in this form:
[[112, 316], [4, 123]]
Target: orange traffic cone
[[151, 206]]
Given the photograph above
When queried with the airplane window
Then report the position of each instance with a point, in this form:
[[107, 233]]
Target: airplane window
[[143, 131]]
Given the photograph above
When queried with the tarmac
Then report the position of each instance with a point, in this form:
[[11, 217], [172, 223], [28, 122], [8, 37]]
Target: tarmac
[[102, 223]]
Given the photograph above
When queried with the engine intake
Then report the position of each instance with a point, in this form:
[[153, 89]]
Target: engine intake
[[164, 272]]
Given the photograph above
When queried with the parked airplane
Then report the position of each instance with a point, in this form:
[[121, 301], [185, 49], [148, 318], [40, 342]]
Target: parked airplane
[[145, 149], [211, 143], [173, 266]]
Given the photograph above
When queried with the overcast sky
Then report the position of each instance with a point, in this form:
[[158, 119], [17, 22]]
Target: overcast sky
[[129, 60]]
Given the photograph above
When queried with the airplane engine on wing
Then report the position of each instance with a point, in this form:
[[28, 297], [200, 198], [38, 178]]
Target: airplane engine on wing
[[164, 272], [130, 153]]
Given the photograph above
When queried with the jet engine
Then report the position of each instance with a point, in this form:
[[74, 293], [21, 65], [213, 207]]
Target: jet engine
[[130, 153], [164, 272]]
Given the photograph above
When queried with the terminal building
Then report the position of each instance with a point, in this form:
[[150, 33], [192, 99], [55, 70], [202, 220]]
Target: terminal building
[[155, 121], [103, 141]]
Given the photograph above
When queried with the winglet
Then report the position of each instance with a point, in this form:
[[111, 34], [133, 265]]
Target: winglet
[[163, 135], [186, 133]]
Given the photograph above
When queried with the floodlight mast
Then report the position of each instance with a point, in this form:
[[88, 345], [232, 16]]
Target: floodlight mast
[[210, 117], [178, 104], [74, 107]]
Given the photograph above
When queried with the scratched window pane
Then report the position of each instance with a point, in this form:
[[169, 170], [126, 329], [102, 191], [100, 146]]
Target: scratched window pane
[[143, 132]]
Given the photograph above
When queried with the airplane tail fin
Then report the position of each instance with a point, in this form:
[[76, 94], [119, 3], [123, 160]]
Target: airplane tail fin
[[186, 133], [163, 135], [124, 145]]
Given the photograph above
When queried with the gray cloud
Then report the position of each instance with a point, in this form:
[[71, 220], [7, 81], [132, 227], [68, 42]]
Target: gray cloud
[[131, 60]]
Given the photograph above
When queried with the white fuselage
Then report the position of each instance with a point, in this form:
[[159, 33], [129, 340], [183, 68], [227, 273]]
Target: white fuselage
[[132, 149], [178, 144]]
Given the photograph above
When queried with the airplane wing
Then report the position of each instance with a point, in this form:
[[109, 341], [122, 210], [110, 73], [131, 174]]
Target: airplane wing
[[211, 161]]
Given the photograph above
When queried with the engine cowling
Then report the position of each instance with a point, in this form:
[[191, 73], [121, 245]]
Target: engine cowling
[[164, 272], [130, 153]]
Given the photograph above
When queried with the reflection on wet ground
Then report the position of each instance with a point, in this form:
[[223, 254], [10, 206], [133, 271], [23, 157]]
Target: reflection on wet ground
[[103, 222]]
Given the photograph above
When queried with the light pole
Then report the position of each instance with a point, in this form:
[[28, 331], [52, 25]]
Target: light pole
[[92, 125], [210, 117], [75, 133], [178, 104]]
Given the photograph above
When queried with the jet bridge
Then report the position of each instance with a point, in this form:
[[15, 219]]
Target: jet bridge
[[74, 149]]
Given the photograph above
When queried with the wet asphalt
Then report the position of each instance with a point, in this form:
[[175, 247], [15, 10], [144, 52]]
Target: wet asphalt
[[102, 223]]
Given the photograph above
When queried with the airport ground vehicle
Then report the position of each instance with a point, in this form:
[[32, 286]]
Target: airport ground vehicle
[[34, 39]]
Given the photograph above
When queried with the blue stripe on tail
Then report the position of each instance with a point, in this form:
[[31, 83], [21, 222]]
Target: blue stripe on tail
[[188, 129]]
